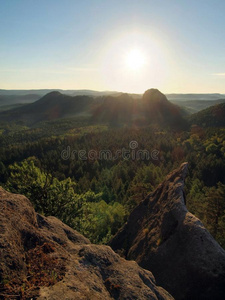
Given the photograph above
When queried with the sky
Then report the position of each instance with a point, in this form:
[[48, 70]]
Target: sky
[[89, 44]]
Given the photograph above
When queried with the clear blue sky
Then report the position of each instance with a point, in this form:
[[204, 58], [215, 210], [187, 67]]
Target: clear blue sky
[[84, 44]]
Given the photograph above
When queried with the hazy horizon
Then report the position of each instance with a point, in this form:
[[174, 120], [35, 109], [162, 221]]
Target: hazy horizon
[[127, 46], [107, 91]]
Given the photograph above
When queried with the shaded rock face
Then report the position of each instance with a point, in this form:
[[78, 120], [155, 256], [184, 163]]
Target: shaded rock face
[[42, 258], [163, 237]]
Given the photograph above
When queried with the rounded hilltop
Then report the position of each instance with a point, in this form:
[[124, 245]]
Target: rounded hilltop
[[154, 95]]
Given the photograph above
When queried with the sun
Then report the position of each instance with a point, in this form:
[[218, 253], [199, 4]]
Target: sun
[[135, 59]]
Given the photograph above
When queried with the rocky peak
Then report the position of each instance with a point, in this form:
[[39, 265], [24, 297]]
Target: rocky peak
[[163, 237]]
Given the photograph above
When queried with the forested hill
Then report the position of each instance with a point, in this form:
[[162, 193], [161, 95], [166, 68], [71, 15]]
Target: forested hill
[[152, 108], [213, 116], [52, 106]]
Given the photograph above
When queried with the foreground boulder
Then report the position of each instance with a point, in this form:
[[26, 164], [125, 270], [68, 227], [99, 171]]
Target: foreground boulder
[[42, 258], [163, 237]]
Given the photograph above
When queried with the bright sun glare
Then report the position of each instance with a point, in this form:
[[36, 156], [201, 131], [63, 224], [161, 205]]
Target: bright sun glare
[[135, 59]]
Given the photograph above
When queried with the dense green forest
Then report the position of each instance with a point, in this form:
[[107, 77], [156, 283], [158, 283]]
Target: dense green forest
[[95, 194]]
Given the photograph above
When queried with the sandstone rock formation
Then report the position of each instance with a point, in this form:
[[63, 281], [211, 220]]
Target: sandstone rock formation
[[163, 237], [42, 258]]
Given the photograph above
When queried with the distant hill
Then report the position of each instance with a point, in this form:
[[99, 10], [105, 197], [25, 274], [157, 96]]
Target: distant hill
[[9, 97], [159, 109], [152, 108], [115, 110], [118, 110], [52, 106], [213, 116]]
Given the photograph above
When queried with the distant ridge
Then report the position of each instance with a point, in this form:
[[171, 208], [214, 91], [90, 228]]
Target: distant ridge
[[12, 98], [117, 110], [74, 92], [42, 92], [184, 97]]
